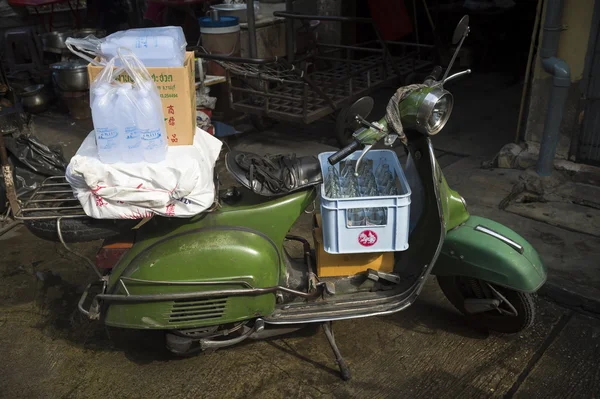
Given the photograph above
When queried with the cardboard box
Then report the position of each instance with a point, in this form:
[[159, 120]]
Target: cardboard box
[[336, 265], [178, 95]]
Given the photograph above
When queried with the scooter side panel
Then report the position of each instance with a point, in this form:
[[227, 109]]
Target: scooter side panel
[[472, 253], [271, 217], [227, 257]]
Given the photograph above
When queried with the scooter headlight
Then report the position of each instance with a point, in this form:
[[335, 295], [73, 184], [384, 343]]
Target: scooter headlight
[[434, 111]]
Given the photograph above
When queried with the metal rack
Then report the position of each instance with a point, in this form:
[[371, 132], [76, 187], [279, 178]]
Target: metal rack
[[52, 200], [315, 95], [323, 81]]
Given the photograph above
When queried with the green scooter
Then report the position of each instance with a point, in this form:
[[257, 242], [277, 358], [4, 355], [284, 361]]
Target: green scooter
[[224, 276]]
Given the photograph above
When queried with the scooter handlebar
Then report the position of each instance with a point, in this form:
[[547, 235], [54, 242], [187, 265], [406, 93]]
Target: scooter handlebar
[[343, 153], [436, 74]]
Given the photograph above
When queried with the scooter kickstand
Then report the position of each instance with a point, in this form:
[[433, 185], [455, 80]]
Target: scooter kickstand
[[344, 369]]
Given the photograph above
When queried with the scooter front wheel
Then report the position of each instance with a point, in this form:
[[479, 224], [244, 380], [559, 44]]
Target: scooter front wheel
[[507, 311]]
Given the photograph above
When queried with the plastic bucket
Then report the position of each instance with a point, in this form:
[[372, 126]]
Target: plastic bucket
[[220, 36]]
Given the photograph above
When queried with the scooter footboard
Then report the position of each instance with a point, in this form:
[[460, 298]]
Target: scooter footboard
[[490, 251]]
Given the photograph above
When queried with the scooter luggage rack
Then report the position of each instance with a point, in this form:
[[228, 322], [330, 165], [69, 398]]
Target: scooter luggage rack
[[51, 197], [54, 198]]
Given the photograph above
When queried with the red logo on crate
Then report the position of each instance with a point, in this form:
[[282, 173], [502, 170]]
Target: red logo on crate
[[367, 238]]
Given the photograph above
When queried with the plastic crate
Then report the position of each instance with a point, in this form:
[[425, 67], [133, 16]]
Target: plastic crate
[[340, 236]]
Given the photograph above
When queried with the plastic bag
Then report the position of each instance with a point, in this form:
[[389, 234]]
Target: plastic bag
[[149, 118], [181, 186], [155, 47], [203, 99], [32, 162], [128, 120]]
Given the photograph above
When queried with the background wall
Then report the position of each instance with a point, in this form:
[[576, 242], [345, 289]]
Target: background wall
[[576, 21]]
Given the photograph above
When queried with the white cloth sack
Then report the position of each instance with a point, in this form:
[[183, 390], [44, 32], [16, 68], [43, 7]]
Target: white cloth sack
[[180, 186]]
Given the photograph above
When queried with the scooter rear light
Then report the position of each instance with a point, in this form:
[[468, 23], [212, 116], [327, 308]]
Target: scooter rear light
[[109, 255]]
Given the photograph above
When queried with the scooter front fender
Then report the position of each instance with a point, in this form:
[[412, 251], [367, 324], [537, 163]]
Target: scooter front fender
[[490, 251]]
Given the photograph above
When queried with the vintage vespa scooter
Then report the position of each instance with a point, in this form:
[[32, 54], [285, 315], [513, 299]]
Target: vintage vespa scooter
[[223, 276]]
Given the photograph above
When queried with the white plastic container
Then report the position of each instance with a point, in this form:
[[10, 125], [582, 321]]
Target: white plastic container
[[151, 126], [155, 47], [154, 51], [131, 143], [106, 129], [339, 237]]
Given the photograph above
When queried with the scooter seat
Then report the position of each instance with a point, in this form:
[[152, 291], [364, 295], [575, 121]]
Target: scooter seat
[[273, 175]]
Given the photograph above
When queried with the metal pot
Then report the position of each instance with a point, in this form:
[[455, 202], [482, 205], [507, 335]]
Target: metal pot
[[99, 33], [35, 98], [70, 75], [55, 40]]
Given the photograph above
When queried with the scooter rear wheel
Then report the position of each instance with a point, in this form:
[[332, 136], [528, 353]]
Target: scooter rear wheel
[[457, 289]]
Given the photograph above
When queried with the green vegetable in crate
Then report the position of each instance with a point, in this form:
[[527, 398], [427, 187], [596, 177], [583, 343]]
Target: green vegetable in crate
[[221, 277]]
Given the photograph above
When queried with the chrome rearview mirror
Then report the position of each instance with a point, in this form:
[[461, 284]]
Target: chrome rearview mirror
[[460, 34], [461, 30], [357, 117], [358, 111], [348, 120]]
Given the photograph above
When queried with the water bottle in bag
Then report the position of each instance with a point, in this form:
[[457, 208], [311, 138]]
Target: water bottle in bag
[[155, 47], [126, 122], [155, 51], [105, 124], [149, 120]]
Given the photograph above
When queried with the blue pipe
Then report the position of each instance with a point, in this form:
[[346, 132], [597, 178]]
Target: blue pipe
[[561, 82]]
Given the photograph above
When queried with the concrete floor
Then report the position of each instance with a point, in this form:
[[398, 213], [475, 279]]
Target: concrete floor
[[49, 351]]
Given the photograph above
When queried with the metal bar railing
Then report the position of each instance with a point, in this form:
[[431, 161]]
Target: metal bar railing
[[295, 15], [262, 93], [346, 47]]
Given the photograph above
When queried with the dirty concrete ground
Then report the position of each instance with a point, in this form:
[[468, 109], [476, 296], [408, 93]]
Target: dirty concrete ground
[[49, 351]]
